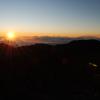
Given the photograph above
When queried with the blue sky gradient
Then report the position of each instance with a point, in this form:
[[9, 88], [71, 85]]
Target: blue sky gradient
[[50, 16]]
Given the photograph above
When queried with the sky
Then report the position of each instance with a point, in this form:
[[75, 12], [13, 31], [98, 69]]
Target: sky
[[62, 17]]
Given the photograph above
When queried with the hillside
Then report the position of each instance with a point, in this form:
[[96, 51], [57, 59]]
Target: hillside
[[43, 71]]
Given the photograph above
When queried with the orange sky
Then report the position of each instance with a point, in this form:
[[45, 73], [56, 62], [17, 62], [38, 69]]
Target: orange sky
[[73, 35], [71, 18]]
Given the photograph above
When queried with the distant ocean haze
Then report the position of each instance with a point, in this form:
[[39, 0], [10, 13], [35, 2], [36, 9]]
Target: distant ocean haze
[[29, 40]]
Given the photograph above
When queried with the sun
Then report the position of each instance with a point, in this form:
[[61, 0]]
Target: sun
[[10, 36]]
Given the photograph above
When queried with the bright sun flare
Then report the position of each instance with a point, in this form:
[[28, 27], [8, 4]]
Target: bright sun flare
[[10, 36]]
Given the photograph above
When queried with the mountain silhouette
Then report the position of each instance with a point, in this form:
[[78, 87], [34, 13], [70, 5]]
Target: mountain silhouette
[[44, 71]]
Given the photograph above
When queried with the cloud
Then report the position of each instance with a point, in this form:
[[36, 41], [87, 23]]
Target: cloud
[[27, 40]]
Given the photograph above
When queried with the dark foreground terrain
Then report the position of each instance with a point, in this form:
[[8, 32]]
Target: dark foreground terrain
[[50, 72]]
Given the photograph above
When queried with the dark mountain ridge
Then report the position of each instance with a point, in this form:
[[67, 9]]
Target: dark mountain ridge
[[44, 71]]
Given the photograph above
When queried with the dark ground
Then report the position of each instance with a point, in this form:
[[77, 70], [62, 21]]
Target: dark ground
[[47, 72]]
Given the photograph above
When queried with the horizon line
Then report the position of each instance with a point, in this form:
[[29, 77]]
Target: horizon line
[[38, 34]]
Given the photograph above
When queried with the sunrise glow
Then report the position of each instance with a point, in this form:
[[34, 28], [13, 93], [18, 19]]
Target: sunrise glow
[[10, 36]]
